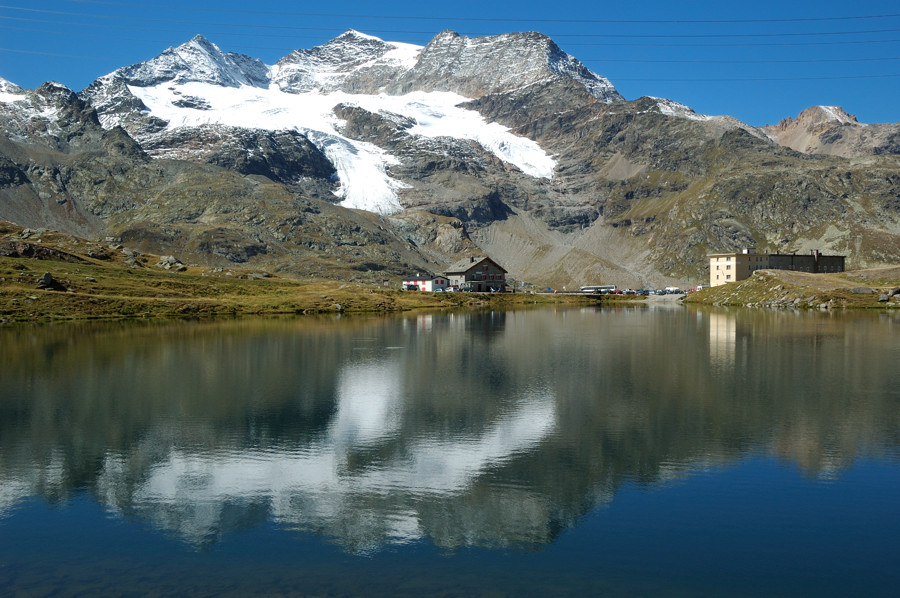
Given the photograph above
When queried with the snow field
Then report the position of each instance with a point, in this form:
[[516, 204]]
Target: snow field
[[361, 166]]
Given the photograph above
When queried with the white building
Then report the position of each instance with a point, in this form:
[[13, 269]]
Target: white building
[[428, 284]]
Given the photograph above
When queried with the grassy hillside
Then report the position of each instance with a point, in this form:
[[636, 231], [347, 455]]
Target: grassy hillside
[[782, 288], [95, 281]]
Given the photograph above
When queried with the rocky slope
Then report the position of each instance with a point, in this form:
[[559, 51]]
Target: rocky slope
[[60, 169], [504, 141], [829, 130]]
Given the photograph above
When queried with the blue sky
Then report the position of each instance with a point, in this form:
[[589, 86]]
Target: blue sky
[[757, 61]]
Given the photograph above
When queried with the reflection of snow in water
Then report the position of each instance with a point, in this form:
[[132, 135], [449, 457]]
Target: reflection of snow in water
[[12, 490], [314, 487], [369, 406], [49, 478]]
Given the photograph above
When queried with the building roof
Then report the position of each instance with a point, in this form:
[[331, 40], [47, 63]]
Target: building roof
[[734, 253], [466, 264]]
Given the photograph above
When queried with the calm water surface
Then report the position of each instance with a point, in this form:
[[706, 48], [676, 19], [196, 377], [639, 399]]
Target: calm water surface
[[573, 452]]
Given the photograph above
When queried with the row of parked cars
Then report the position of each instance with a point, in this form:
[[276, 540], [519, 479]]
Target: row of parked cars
[[648, 292], [644, 292]]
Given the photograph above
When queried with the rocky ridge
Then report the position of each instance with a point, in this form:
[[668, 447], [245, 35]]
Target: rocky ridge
[[60, 169], [639, 192], [830, 130]]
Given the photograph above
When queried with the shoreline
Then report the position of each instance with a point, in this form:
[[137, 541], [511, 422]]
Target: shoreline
[[103, 291]]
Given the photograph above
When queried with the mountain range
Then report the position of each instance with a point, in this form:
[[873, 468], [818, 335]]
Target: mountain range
[[368, 159]]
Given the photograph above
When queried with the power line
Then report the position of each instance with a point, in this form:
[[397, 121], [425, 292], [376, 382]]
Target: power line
[[752, 79], [552, 36], [736, 45], [402, 31], [490, 19], [610, 77], [55, 54], [582, 59], [742, 61], [156, 29]]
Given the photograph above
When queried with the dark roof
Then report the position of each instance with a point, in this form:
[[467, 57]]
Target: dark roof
[[466, 264]]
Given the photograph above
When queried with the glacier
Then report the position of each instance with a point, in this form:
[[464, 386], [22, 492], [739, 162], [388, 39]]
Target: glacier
[[361, 166], [198, 85]]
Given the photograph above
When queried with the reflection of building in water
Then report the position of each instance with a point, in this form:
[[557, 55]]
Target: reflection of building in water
[[722, 338], [424, 322]]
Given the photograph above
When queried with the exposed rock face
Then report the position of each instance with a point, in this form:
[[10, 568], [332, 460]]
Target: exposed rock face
[[351, 62], [285, 156], [198, 61], [829, 130], [475, 67], [60, 169], [631, 192]]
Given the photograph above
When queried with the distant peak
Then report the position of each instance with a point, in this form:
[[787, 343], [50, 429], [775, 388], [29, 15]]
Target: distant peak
[[201, 42], [819, 115], [9, 86], [828, 113], [55, 89], [447, 33], [353, 33]]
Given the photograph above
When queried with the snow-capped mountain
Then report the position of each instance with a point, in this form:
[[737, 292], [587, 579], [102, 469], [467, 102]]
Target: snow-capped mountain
[[197, 85], [343, 64], [37, 112], [504, 143]]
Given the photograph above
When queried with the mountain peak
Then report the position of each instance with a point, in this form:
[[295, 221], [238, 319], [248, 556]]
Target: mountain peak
[[821, 114], [199, 39], [816, 116], [8, 87], [831, 130], [475, 66], [342, 63], [354, 34], [197, 60]]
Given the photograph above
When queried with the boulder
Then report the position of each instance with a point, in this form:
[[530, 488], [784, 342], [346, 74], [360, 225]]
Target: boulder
[[170, 262], [48, 283]]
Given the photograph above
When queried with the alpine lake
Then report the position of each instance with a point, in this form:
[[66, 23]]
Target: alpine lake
[[631, 451]]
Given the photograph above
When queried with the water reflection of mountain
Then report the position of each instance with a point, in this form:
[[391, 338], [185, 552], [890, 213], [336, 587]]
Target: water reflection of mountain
[[482, 429]]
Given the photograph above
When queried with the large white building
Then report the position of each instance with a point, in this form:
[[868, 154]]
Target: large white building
[[731, 267]]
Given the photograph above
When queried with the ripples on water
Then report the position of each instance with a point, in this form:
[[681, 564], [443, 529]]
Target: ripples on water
[[435, 440]]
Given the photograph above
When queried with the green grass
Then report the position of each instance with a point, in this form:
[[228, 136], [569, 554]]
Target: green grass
[[111, 290], [780, 288]]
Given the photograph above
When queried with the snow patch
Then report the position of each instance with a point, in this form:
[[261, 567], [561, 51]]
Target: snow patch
[[437, 114], [837, 113], [670, 108], [361, 167], [10, 92], [8, 98], [403, 55]]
